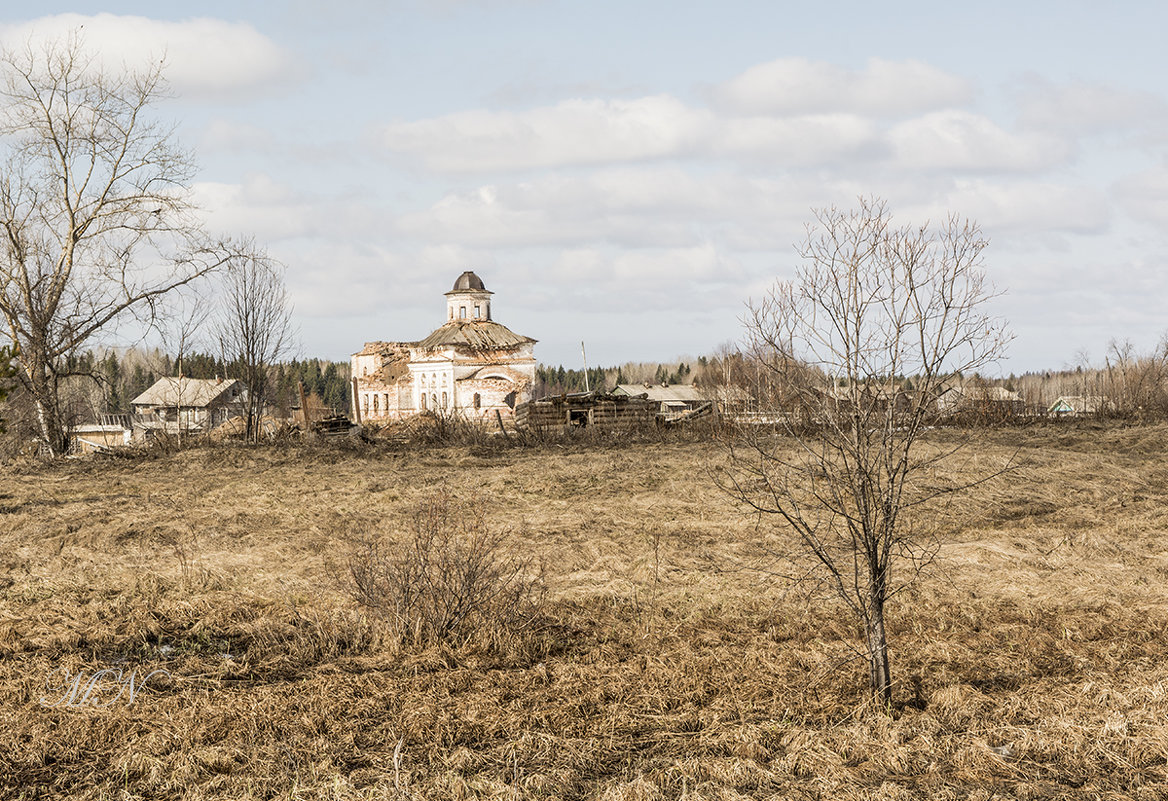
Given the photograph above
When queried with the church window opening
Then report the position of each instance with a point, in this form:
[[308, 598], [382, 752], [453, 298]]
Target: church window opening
[[462, 312], [445, 401], [478, 312], [478, 401]]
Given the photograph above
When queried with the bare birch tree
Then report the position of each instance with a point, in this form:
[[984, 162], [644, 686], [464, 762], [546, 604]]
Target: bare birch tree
[[870, 303], [254, 329], [95, 215]]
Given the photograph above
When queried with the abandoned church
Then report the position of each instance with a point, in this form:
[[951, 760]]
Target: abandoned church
[[470, 366]]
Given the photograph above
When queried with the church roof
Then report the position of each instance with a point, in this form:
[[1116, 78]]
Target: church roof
[[476, 334], [468, 282]]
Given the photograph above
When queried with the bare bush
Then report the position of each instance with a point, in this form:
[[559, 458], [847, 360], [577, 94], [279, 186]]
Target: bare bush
[[453, 576]]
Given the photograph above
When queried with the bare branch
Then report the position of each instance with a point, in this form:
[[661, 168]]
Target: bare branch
[[94, 208]]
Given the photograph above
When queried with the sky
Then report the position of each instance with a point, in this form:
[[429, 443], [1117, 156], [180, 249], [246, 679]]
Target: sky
[[630, 174]]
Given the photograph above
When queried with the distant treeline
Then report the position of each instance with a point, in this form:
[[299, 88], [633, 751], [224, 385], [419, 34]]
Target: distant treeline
[[106, 384], [1126, 384], [558, 380]]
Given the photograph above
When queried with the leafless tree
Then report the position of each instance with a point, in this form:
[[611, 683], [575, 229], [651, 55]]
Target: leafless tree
[[1134, 385], [870, 303], [254, 329], [96, 222]]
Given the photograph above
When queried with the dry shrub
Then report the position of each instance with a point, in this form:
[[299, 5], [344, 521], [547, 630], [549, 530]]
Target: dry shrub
[[434, 429], [452, 577]]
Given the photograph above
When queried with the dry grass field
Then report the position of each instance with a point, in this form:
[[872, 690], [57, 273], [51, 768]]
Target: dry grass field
[[1032, 661]]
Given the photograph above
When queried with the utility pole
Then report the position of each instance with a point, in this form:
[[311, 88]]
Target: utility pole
[[585, 355]]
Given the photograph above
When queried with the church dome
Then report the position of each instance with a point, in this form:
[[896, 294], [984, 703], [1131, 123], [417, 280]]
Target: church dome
[[468, 281]]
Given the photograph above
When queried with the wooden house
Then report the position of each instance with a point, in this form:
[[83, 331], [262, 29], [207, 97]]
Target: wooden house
[[187, 405]]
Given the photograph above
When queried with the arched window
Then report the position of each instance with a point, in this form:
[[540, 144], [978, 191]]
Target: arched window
[[374, 405], [365, 403], [385, 402], [444, 400], [423, 401], [434, 402], [478, 401]]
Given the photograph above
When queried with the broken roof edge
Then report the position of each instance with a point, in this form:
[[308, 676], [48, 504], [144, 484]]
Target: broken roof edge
[[477, 334], [373, 348]]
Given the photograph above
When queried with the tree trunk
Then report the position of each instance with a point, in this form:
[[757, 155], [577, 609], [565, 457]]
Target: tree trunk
[[877, 640], [42, 387]]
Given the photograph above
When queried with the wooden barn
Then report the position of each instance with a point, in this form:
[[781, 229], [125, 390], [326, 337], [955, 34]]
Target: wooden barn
[[586, 409]]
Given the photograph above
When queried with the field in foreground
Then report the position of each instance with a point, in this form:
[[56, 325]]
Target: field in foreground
[[1030, 663]]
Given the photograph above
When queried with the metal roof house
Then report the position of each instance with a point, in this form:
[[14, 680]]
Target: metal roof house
[[672, 400], [1078, 406]]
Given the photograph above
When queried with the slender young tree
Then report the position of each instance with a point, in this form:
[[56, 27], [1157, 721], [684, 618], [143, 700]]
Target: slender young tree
[[254, 329], [870, 301], [95, 221]]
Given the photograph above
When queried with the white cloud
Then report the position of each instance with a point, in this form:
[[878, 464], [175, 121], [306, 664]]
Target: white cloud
[[1085, 108], [227, 135], [203, 56], [1021, 208], [578, 133], [650, 278], [798, 86], [598, 132], [571, 132], [962, 140], [1144, 195], [658, 268], [672, 207], [273, 211], [799, 141], [637, 207]]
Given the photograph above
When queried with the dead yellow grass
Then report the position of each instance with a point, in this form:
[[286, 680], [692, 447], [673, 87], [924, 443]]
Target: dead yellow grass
[[1032, 663]]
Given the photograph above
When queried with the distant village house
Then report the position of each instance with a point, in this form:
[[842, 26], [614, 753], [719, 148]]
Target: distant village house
[[1078, 406], [96, 437], [672, 400], [188, 404]]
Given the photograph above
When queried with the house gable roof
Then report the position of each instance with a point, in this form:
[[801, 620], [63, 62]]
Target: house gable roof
[[189, 392], [662, 393]]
